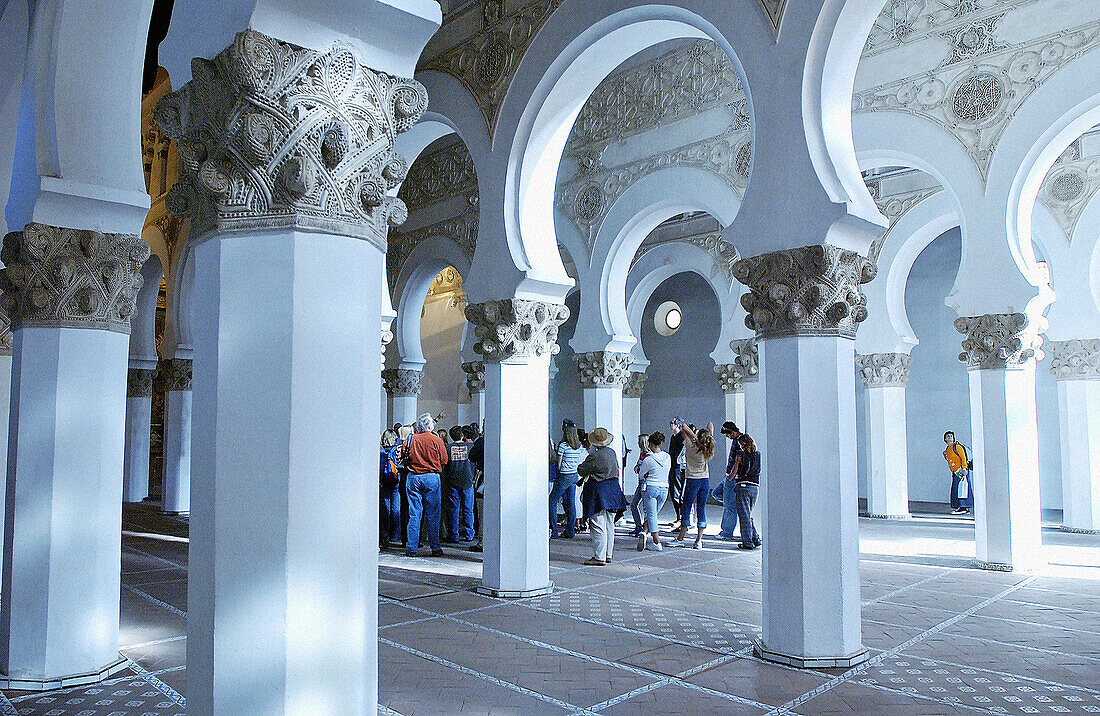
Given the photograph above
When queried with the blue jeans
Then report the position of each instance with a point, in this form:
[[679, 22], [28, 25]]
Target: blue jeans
[[424, 498], [745, 496], [956, 501], [729, 508], [389, 522], [695, 492], [460, 507], [652, 500], [565, 490]]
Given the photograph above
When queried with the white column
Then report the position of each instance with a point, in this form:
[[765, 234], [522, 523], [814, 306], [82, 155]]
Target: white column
[[810, 526], [282, 579], [632, 426], [139, 407], [733, 391], [176, 490], [5, 406], [602, 375], [516, 339], [67, 438], [403, 388], [755, 404], [385, 406], [1007, 517], [1076, 365], [885, 376]]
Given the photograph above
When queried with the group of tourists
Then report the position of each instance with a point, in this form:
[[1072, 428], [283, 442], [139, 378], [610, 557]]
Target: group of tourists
[[587, 460], [421, 470]]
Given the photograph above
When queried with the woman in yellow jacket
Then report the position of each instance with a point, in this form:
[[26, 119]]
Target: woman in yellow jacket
[[958, 461]]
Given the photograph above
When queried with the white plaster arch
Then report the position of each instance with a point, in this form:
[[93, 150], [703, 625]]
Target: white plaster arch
[[143, 322], [661, 263], [603, 323], [77, 159], [887, 328], [450, 102], [14, 34], [181, 287], [413, 281], [1074, 272], [411, 144]]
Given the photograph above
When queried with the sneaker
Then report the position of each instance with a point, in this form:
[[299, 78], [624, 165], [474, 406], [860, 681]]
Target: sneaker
[[642, 539], [654, 546], [746, 546], [437, 553], [958, 511], [726, 537], [678, 542], [593, 562], [476, 548], [698, 544]]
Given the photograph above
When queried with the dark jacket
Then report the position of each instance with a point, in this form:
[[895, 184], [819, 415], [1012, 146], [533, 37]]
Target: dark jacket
[[750, 468], [459, 471], [601, 487]]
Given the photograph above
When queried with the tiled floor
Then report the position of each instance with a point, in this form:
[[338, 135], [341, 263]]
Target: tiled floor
[[666, 633]]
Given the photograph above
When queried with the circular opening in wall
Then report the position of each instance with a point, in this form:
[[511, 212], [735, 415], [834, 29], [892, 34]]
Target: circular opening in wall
[[668, 318]]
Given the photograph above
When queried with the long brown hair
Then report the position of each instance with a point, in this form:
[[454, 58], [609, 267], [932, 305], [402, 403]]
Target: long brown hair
[[569, 436], [704, 443], [747, 443]]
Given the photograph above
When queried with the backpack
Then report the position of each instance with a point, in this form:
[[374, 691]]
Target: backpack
[[388, 468]]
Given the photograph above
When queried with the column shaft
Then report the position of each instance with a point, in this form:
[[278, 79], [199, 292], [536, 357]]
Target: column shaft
[[283, 568], [139, 407], [1079, 420], [888, 485], [176, 491], [632, 428], [735, 411]]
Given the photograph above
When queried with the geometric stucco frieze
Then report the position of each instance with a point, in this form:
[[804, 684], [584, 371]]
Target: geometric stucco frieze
[[402, 382], [71, 278], [486, 59], [176, 373], [810, 290], [516, 328], [880, 370], [1077, 359], [996, 341], [475, 376], [139, 382], [991, 60], [5, 332], [603, 369], [272, 135]]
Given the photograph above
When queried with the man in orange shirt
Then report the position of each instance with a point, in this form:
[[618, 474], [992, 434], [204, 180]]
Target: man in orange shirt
[[958, 461], [426, 457]]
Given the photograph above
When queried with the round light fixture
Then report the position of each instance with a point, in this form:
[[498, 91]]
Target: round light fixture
[[668, 318]]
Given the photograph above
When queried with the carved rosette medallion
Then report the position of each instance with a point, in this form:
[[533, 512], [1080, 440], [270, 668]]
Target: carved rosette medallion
[[808, 291], [1074, 359], [176, 373], [139, 382], [879, 370], [475, 376], [401, 382], [635, 384], [516, 328], [272, 135], [603, 369], [71, 278], [729, 378], [996, 341]]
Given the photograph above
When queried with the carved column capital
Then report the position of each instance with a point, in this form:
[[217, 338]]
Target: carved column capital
[[808, 291], [603, 369], [71, 278], [139, 382], [729, 378], [1077, 359], [747, 361], [516, 328], [401, 382], [272, 135], [996, 341], [475, 376], [879, 370], [177, 374], [635, 384]]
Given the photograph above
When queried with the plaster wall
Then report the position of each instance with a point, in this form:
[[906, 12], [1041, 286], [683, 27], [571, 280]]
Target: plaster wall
[[937, 396], [440, 337]]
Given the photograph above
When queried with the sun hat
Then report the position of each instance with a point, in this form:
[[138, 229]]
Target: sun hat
[[600, 437]]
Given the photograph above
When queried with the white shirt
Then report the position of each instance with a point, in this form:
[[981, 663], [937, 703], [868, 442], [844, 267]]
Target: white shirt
[[653, 470]]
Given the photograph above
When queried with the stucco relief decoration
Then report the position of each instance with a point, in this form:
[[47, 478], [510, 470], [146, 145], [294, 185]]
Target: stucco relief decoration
[[461, 230], [1076, 359], [894, 205], [475, 376], [603, 369], [880, 370], [276, 136], [774, 11], [176, 373], [729, 378], [983, 77], [5, 332], [812, 290], [486, 60], [71, 278], [1072, 183], [401, 382], [691, 79], [446, 170], [635, 384], [747, 362], [995, 341], [516, 328], [139, 382]]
